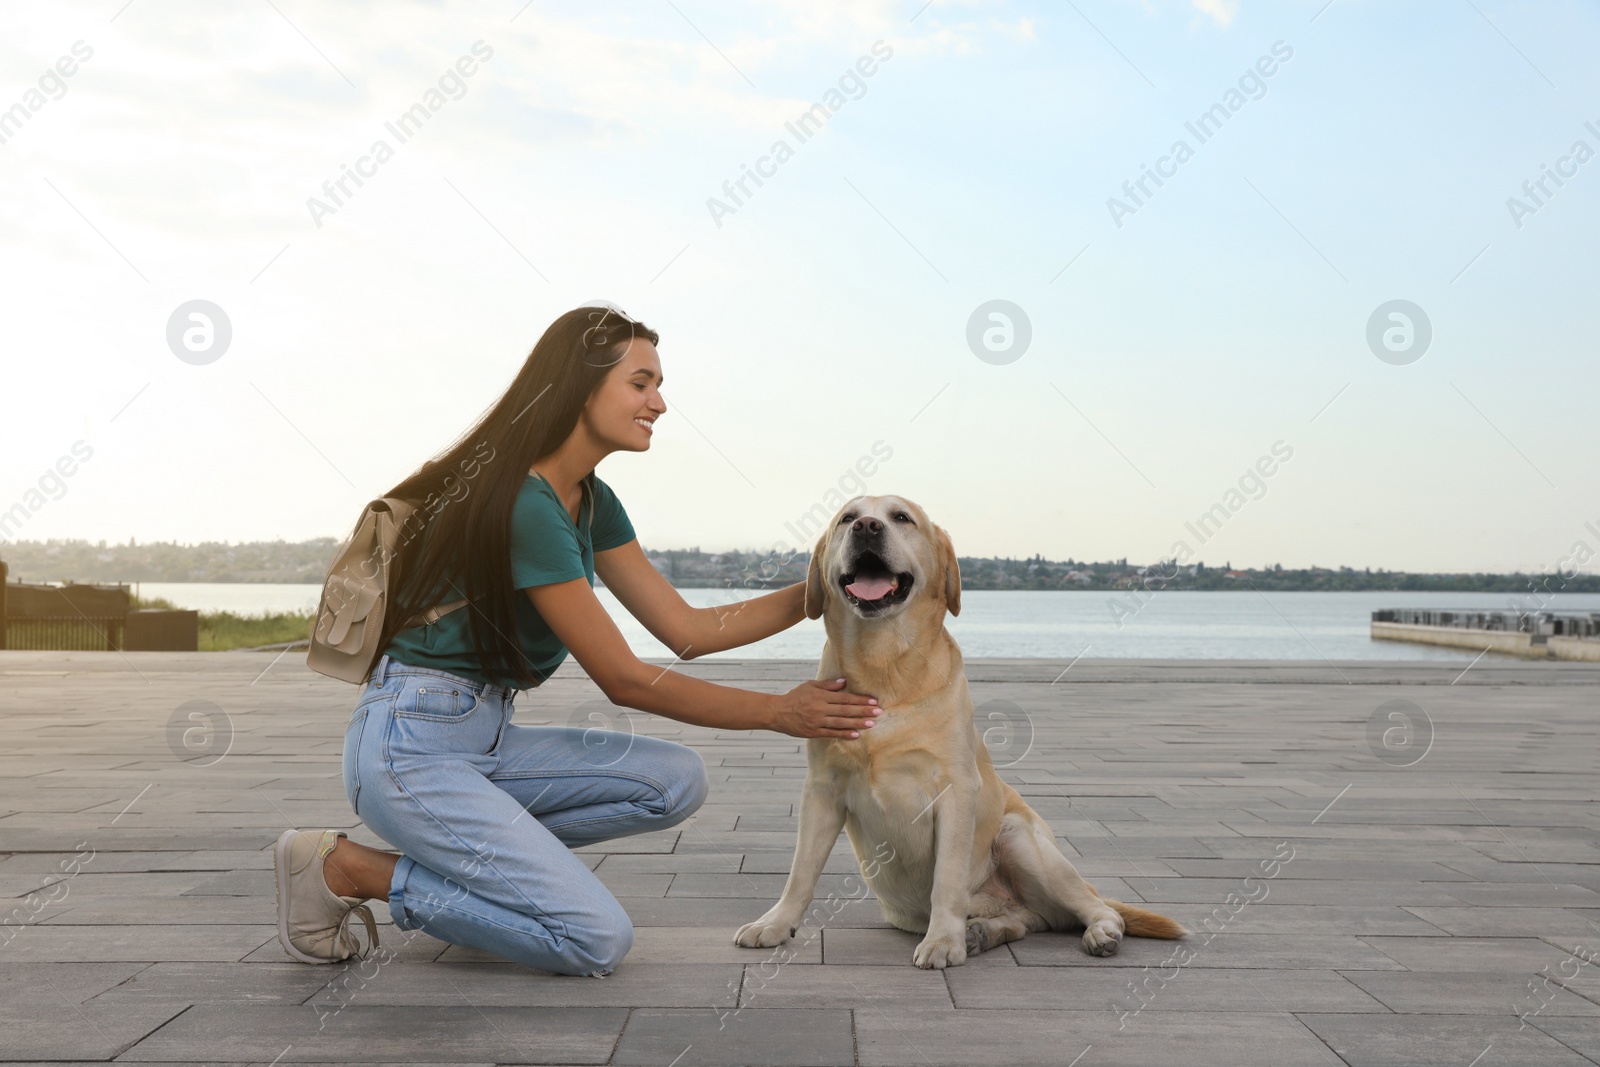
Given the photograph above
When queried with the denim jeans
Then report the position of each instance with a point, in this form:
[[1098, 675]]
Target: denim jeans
[[486, 813]]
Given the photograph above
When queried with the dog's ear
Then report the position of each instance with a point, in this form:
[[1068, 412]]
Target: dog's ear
[[952, 572], [814, 580]]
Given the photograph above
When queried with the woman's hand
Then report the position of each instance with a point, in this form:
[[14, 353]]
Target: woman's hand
[[824, 709], [814, 709]]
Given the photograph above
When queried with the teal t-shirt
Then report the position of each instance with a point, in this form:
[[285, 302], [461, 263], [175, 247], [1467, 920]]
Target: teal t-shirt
[[546, 548]]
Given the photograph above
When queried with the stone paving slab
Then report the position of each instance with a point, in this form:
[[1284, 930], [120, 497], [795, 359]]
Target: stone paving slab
[[369, 1034], [1517, 954], [1225, 948], [79, 1032], [845, 985], [1429, 1040], [99, 943], [1199, 989], [1056, 1038], [1288, 892], [1428, 903], [815, 1037], [1491, 922], [51, 982], [718, 912], [1457, 993], [670, 944], [488, 982], [182, 984], [1579, 874], [1580, 1035]]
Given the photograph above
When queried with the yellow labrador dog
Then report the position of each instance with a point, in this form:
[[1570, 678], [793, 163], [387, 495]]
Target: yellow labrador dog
[[969, 864]]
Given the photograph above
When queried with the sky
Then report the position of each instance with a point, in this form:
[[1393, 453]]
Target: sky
[[1344, 318]]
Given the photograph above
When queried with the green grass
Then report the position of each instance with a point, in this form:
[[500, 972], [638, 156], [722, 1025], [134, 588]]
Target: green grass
[[224, 630]]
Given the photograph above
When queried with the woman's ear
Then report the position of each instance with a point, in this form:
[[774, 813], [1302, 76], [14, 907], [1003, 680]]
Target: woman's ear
[[814, 589], [952, 573]]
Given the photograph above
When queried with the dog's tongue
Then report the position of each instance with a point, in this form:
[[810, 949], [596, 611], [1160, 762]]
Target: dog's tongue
[[870, 588]]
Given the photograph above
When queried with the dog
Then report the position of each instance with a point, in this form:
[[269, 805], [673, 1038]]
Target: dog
[[950, 850]]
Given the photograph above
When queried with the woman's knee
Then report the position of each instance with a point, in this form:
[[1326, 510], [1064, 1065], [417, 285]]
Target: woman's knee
[[689, 784], [602, 947]]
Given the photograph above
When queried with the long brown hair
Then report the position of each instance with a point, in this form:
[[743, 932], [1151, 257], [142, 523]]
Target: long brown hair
[[459, 543]]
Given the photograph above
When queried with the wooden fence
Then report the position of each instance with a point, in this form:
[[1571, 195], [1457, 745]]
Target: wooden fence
[[88, 618], [78, 633]]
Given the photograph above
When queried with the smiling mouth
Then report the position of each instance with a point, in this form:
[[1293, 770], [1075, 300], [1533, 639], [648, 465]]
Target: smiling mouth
[[871, 586], [648, 424]]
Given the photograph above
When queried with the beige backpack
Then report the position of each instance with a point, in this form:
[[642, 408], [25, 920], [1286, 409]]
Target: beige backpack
[[356, 593]]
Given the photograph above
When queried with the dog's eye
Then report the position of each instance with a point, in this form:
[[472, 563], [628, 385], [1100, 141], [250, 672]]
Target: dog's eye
[[848, 516], [901, 516]]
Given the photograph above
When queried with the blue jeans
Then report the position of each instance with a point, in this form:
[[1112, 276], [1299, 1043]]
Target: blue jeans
[[485, 814]]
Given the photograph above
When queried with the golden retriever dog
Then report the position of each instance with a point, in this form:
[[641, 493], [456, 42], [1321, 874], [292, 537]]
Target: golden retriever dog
[[951, 851]]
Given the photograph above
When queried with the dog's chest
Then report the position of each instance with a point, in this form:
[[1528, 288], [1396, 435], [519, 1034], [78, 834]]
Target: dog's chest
[[896, 788], [891, 786]]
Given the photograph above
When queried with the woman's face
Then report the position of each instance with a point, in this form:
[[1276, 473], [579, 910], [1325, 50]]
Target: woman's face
[[620, 412]]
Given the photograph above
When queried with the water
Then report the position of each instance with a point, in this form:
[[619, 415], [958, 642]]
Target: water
[[1058, 625], [245, 598]]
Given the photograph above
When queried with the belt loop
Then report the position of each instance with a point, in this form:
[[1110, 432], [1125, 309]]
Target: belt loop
[[378, 671]]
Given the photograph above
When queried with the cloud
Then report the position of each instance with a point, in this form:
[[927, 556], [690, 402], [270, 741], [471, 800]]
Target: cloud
[[1222, 12]]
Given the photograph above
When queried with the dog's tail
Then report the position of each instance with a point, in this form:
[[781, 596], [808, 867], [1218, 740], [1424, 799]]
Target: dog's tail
[[1142, 923]]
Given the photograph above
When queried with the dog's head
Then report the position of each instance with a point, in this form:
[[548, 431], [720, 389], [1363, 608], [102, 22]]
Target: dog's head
[[882, 557]]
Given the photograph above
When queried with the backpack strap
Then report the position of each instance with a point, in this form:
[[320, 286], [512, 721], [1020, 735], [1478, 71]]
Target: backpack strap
[[434, 614]]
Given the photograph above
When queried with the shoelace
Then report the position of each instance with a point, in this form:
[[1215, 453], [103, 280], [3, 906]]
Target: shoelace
[[349, 941]]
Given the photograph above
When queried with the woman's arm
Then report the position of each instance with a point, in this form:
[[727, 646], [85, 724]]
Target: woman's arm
[[688, 631], [812, 709], [726, 626]]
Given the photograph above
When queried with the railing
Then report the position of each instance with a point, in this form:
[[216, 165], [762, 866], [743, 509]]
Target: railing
[[78, 633], [1539, 623]]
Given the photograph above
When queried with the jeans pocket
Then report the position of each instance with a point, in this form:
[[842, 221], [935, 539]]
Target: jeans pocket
[[353, 733], [437, 703]]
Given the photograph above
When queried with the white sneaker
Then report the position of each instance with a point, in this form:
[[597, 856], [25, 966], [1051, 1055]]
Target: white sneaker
[[313, 919]]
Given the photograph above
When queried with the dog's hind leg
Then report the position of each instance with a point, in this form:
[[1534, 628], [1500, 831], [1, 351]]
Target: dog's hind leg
[[993, 920], [1048, 884]]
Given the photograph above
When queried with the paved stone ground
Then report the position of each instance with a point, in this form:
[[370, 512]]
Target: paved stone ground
[[1424, 907]]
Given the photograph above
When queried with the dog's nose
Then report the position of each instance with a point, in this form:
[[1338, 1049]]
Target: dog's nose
[[867, 526]]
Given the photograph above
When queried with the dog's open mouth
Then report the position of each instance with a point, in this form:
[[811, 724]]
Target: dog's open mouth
[[871, 586]]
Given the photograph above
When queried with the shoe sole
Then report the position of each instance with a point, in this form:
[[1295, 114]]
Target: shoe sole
[[280, 867]]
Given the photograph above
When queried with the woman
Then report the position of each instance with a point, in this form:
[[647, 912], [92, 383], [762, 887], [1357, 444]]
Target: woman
[[485, 813]]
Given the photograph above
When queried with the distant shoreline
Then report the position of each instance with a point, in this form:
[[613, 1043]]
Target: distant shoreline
[[969, 587], [305, 562]]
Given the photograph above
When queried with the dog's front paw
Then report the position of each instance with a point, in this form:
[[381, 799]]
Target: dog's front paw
[[1102, 938], [763, 933], [940, 952]]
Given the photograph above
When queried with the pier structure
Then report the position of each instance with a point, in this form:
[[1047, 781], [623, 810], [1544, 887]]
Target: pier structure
[[1529, 634]]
